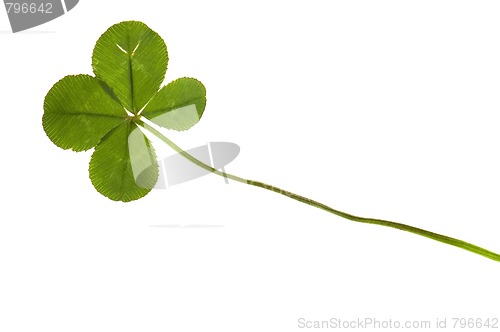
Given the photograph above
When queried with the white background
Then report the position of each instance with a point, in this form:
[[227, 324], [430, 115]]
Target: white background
[[385, 109]]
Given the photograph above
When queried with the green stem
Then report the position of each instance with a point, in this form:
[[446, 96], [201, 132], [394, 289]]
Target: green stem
[[422, 232]]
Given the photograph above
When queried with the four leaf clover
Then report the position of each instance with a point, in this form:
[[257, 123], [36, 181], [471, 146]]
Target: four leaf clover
[[104, 112]]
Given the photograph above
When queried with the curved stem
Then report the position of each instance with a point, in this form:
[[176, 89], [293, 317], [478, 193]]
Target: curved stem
[[422, 232]]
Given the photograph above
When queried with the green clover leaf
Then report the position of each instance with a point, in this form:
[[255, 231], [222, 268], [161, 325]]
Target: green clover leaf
[[103, 112]]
